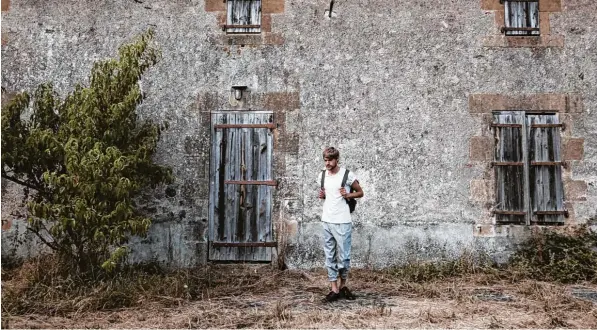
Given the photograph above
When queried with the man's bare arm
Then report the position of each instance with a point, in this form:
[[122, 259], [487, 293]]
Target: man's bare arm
[[357, 193]]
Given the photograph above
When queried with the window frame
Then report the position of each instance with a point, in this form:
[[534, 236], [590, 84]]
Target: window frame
[[231, 28], [532, 203], [521, 31]]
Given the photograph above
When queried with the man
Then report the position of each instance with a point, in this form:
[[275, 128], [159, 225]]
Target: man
[[337, 223]]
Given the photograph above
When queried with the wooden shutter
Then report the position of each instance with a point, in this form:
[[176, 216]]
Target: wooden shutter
[[241, 186], [509, 158], [246, 14], [521, 17], [528, 168], [546, 188]]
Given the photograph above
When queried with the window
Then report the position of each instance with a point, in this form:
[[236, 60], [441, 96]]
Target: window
[[528, 168], [243, 16], [521, 17]]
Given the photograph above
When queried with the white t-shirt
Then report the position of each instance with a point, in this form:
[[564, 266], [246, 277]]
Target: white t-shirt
[[335, 208]]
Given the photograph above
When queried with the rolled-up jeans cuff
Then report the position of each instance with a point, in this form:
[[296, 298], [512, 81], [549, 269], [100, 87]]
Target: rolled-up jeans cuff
[[332, 279]]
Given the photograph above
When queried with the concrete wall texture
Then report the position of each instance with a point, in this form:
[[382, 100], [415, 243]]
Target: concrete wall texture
[[404, 89]]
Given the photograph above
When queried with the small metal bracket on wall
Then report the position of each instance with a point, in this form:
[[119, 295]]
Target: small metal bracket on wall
[[238, 95]]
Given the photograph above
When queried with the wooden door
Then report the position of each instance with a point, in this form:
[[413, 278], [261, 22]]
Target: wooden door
[[241, 186]]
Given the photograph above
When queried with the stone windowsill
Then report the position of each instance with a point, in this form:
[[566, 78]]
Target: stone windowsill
[[265, 38], [501, 41]]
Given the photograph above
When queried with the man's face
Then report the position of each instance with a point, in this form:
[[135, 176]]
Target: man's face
[[330, 163]]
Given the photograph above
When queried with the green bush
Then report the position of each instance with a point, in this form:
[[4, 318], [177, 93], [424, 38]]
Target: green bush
[[83, 159]]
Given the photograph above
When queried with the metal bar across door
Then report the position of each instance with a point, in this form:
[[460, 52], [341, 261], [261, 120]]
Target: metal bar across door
[[270, 126], [252, 182], [244, 244]]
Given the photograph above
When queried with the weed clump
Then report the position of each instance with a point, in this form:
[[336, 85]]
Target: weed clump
[[565, 256], [45, 286], [424, 271]]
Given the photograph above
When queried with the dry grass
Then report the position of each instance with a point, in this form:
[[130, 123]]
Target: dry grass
[[468, 292], [236, 296]]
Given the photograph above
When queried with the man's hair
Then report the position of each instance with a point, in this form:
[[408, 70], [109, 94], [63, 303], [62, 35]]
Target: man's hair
[[331, 153]]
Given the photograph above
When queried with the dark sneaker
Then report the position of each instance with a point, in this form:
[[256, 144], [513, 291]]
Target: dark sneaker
[[331, 297], [346, 294]]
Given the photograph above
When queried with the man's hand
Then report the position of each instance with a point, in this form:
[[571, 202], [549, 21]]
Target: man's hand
[[321, 193], [343, 192]]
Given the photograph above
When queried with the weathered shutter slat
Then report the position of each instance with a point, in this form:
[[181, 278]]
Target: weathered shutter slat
[[222, 152], [264, 175], [269, 140], [254, 166], [216, 183], [546, 190], [249, 205], [533, 16], [231, 190], [243, 12], [510, 179]]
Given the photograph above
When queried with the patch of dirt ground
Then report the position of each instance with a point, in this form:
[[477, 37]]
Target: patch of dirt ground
[[292, 299]]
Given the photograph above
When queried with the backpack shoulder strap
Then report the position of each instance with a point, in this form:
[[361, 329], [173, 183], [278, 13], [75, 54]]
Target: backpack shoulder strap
[[345, 178], [322, 178]]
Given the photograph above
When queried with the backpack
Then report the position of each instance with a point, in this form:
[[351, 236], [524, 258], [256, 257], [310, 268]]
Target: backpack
[[352, 202]]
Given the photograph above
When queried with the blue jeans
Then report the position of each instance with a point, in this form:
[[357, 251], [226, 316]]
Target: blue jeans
[[337, 241]]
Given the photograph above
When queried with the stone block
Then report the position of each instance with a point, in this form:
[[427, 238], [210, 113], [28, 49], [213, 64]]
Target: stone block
[[480, 148], [479, 103], [571, 218], [492, 5], [479, 191], [272, 6], [556, 102], [523, 41], [550, 101], [485, 103], [576, 190], [214, 5], [241, 40], [501, 41], [544, 23], [291, 143], [266, 23], [221, 17], [550, 5], [574, 103], [574, 149], [291, 227], [279, 164], [500, 20], [569, 122]]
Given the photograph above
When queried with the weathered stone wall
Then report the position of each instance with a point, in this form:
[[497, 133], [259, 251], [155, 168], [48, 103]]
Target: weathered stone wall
[[395, 85]]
